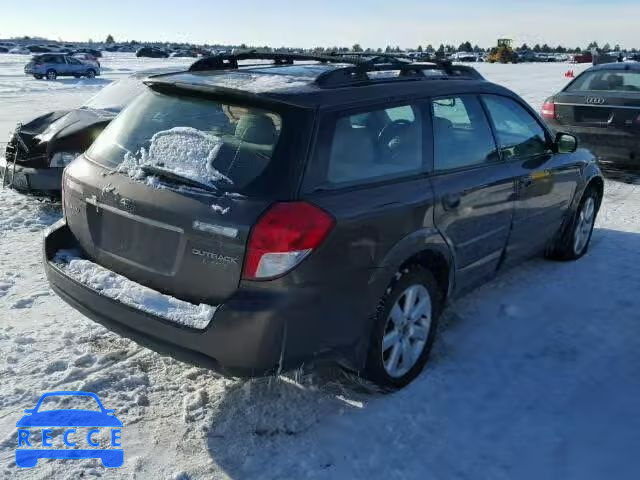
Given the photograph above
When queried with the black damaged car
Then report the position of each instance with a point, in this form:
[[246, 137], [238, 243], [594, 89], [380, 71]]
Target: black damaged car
[[38, 150], [602, 108]]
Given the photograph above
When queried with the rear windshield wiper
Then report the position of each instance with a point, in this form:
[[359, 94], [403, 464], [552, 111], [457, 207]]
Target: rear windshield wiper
[[169, 175]]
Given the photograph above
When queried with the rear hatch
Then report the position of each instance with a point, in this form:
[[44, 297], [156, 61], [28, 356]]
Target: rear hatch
[[601, 98], [167, 195], [598, 109]]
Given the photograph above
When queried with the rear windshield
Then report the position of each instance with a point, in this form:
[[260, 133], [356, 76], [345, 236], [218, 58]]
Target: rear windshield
[[611, 80], [216, 144], [117, 95]]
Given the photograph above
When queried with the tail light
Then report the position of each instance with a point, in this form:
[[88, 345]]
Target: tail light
[[549, 109], [283, 237]]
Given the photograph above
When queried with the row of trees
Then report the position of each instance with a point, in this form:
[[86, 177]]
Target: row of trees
[[467, 47], [463, 47]]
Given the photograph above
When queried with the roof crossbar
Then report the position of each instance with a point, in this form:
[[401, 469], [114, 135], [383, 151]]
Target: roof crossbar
[[360, 65], [359, 74], [230, 61]]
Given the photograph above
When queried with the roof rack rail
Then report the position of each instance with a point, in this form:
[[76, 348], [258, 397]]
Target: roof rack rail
[[359, 73], [230, 61]]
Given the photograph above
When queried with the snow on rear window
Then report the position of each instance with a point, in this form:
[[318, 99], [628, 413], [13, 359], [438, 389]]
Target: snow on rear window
[[133, 294], [184, 151], [206, 141]]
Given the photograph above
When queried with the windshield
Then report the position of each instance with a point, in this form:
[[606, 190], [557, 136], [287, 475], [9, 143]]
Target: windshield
[[209, 142], [117, 95], [611, 80], [69, 402]]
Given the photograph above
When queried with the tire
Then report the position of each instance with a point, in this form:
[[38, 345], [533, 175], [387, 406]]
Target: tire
[[417, 334], [76, 75], [574, 241], [37, 77], [51, 74], [91, 73]]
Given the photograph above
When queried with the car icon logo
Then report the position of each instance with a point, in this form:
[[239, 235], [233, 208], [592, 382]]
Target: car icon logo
[[596, 100], [72, 421]]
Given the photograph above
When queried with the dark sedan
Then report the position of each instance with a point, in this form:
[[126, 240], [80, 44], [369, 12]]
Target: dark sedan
[[602, 108], [39, 150]]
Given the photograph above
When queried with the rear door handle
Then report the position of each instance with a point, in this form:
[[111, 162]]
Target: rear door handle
[[451, 201]]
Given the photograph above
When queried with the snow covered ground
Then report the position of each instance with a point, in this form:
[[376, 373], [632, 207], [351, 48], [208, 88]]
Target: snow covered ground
[[536, 375]]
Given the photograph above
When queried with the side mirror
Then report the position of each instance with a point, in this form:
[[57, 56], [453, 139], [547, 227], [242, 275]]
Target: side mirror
[[565, 143]]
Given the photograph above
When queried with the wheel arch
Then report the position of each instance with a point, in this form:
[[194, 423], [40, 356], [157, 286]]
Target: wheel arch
[[426, 248], [596, 182]]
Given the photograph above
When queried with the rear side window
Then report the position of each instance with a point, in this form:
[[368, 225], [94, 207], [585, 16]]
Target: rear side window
[[519, 133], [375, 145], [208, 141], [612, 81], [462, 135]]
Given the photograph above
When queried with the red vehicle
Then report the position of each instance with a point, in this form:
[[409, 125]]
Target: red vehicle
[[586, 57]]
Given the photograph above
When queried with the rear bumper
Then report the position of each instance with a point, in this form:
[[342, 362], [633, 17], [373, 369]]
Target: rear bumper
[[609, 146], [256, 332], [32, 180]]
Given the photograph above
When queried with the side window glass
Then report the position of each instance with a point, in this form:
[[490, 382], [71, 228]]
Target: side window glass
[[462, 135], [401, 113], [518, 132], [376, 145]]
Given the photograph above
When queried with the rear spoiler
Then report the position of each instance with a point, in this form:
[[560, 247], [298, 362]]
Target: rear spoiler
[[266, 99]]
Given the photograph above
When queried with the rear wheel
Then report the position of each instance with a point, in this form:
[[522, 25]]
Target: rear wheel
[[52, 74], [574, 243], [404, 328], [91, 73]]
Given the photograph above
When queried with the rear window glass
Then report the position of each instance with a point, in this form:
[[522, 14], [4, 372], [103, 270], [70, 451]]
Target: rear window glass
[[115, 96], [215, 144], [614, 81]]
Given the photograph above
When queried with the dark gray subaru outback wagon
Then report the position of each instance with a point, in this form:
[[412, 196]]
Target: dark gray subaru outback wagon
[[253, 218]]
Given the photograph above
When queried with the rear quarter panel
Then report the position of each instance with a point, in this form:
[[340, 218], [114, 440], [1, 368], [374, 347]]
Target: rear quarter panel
[[377, 229]]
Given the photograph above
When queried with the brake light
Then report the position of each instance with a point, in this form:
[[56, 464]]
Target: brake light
[[283, 237], [549, 110]]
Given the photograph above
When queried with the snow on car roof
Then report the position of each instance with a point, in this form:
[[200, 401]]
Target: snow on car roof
[[256, 79]]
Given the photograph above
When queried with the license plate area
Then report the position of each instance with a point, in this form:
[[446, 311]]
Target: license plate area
[[135, 240]]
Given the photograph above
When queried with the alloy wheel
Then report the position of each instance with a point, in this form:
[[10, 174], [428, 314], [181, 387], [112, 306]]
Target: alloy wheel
[[406, 330], [584, 225]]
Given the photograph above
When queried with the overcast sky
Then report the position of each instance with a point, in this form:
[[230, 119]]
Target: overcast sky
[[406, 23]]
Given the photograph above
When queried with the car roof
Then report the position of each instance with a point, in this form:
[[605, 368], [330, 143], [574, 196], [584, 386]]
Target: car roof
[[297, 84], [150, 72], [633, 66]]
